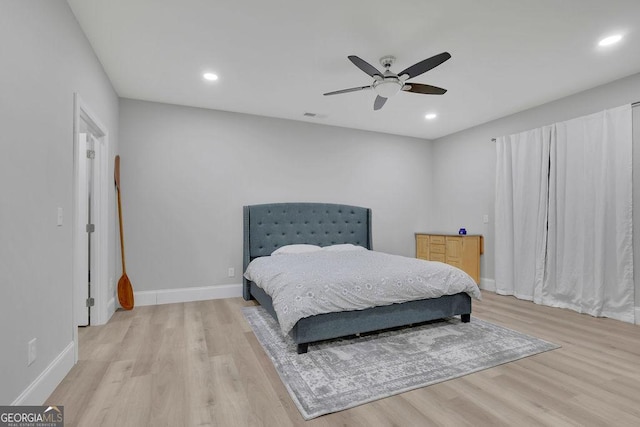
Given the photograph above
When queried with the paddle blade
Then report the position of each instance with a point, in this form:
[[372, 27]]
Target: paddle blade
[[353, 89], [424, 66], [424, 89], [365, 66], [379, 102], [125, 293]]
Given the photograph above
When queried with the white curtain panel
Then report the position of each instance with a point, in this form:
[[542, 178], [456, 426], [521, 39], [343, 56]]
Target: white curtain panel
[[589, 263], [521, 212]]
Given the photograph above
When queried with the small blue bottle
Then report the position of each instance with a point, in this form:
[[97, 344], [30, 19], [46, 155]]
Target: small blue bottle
[[462, 231]]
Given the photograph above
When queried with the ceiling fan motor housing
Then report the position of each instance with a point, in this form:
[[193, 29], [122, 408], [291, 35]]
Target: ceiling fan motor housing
[[390, 84]]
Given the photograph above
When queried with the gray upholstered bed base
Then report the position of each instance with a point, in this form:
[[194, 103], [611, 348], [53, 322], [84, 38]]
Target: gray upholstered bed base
[[268, 227]]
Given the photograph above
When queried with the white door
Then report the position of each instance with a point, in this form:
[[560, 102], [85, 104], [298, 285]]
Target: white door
[[92, 185], [82, 272]]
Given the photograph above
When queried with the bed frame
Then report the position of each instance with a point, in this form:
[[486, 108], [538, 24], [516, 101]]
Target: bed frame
[[269, 226]]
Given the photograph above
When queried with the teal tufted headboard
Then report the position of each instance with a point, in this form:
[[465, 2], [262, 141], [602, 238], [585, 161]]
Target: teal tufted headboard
[[270, 226]]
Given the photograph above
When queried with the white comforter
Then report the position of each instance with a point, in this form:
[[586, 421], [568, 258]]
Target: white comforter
[[306, 284]]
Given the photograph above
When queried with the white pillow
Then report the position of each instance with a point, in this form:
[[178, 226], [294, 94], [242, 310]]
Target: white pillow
[[296, 249], [342, 247]]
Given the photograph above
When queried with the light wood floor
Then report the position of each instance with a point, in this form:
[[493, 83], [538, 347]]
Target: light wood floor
[[199, 364]]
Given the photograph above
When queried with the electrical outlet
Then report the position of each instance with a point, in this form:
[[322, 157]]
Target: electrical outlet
[[485, 219], [31, 352], [60, 217], [232, 272]]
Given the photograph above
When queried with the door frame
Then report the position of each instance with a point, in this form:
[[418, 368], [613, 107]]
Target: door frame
[[102, 289]]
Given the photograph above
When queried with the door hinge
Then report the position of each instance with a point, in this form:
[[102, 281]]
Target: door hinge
[[91, 154], [90, 302], [91, 228]]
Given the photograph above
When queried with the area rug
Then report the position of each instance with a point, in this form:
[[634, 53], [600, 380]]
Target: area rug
[[343, 373]]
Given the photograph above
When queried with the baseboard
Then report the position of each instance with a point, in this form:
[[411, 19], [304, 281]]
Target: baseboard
[[487, 284], [42, 387], [490, 285], [168, 296], [111, 308]]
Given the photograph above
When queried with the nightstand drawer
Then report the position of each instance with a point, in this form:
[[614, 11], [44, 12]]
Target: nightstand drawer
[[437, 257], [436, 239], [437, 249]]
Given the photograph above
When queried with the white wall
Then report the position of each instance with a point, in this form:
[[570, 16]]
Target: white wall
[[187, 172], [45, 59], [464, 165]]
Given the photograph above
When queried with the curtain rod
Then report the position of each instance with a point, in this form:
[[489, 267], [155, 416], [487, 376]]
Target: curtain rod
[[633, 104]]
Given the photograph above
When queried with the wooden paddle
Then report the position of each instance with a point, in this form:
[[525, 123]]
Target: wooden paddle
[[125, 290]]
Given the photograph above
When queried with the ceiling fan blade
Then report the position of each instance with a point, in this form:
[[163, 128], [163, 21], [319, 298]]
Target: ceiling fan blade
[[353, 89], [365, 66], [424, 66], [425, 89], [379, 102]]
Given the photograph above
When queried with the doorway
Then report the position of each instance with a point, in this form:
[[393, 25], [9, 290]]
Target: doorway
[[93, 293]]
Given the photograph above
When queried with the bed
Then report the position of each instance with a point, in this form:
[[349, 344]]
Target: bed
[[268, 227]]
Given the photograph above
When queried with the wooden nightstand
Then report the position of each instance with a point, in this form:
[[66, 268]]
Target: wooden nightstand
[[456, 250]]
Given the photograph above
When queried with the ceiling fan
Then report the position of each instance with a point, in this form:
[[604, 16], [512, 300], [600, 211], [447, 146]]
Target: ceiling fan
[[388, 83]]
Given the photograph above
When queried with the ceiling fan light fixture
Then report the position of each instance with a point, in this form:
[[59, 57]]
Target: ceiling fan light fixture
[[387, 87]]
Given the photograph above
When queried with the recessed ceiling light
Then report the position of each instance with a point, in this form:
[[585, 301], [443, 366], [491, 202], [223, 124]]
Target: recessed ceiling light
[[608, 41], [430, 116], [210, 76]]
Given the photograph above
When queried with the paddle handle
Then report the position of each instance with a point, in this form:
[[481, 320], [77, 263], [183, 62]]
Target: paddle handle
[[117, 179]]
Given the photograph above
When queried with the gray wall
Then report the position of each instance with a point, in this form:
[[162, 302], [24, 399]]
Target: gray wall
[[45, 59], [187, 172], [464, 166]]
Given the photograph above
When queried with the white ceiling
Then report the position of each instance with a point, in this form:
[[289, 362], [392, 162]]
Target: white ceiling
[[276, 58]]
